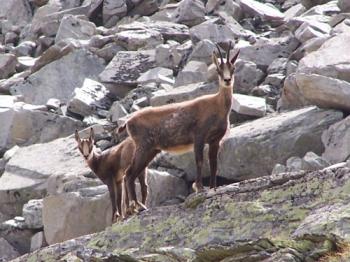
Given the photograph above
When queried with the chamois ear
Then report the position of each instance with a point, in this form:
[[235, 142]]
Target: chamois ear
[[215, 59], [92, 135], [77, 138], [234, 58]]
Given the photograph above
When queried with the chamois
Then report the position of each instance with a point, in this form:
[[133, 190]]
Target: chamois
[[110, 166], [184, 126]]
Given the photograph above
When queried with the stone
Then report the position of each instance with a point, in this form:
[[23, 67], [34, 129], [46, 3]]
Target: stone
[[24, 126], [89, 98], [112, 11], [203, 51], [37, 241], [279, 137], [279, 65], [212, 221], [18, 13], [247, 76], [25, 48], [76, 28], [134, 40], [249, 105], [344, 6], [264, 11], [125, 68], [7, 101], [116, 111], [189, 12], [311, 30], [231, 8], [59, 78], [168, 30], [183, 93], [193, 72], [323, 91], [330, 60], [215, 32], [7, 65], [171, 54], [7, 251], [53, 104], [145, 8], [32, 213], [275, 80], [155, 75], [294, 11], [334, 140], [108, 51], [25, 63]]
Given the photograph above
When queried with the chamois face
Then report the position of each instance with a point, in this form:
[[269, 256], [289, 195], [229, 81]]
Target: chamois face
[[85, 145], [226, 68]]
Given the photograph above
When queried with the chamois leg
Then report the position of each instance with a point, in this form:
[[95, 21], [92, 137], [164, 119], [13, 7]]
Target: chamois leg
[[111, 190], [141, 159], [213, 162], [120, 214], [198, 152], [126, 199], [144, 186]]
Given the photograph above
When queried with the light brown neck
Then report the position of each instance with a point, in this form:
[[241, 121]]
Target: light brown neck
[[225, 96], [93, 160]]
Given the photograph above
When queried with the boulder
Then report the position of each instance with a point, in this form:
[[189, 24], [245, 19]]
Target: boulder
[[299, 216], [344, 6], [125, 68], [76, 28], [171, 54], [18, 12], [324, 91], [266, 12], [116, 111], [59, 78], [203, 51], [247, 76], [32, 213], [112, 11], [249, 105], [37, 241], [134, 40], [254, 148], [24, 125], [7, 65], [231, 8], [7, 251], [193, 72], [311, 30], [189, 12], [331, 59], [25, 48], [335, 142], [89, 98], [155, 75]]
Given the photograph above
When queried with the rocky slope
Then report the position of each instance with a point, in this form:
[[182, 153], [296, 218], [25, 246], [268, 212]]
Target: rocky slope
[[67, 65]]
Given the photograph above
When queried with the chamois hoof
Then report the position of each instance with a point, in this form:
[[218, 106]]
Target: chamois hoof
[[197, 188], [141, 207], [117, 218]]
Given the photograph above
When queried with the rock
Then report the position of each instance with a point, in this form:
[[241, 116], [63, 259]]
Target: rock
[[7, 251], [24, 126], [38, 241], [344, 6], [116, 111], [203, 51], [112, 11], [155, 75], [294, 11], [170, 55], [53, 104], [145, 8], [215, 31], [125, 68], [183, 93], [324, 91], [266, 12], [32, 213], [311, 30], [231, 8], [193, 72], [168, 30], [265, 51], [330, 60], [109, 51], [134, 40], [278, 65], [89, 98], [247, 76], [275, 80], [288, 217], [7, 65], [249, 105], [76, 28], [7, 101], [18, 13], [59, 78], [25, 48], [189, 12], [240, 153], [334, 140]]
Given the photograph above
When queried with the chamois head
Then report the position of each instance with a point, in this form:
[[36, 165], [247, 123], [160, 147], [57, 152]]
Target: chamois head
[[225, 69], [85, 145]]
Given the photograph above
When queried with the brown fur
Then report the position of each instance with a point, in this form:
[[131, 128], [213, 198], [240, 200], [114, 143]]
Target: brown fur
[[183, 126], [110, 166]]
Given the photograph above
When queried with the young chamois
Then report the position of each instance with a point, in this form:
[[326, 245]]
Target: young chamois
[[110, 166], [184, 126]]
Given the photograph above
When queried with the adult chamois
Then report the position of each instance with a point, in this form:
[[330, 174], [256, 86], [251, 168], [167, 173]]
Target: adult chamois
[[110, 166], [184, 126]]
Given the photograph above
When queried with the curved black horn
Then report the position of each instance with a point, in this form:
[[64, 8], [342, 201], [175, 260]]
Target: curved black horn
[[228, 52], [221, 59]]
